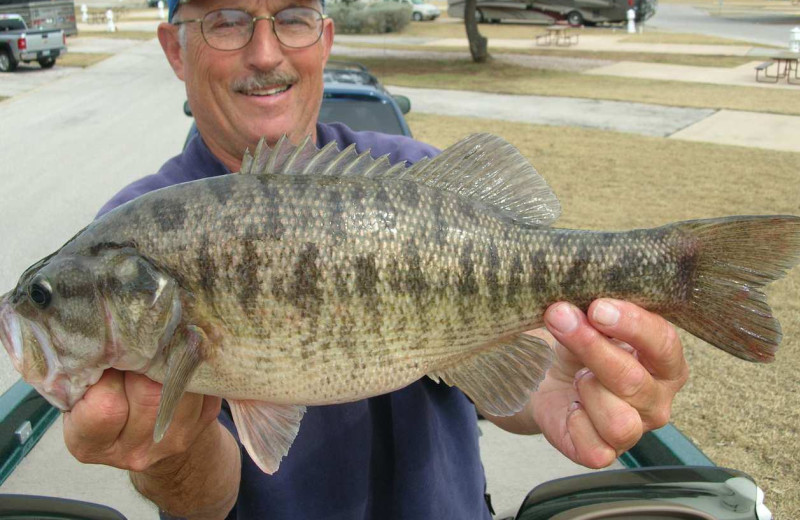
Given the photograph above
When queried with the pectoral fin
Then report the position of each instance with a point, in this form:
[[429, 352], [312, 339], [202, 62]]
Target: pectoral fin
[[266, 430], [184, 357], [500, 378]]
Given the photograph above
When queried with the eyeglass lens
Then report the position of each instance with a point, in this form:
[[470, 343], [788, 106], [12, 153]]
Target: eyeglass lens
[[231, 29]]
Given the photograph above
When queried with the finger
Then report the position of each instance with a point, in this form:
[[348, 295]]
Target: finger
[[211, 409], [654, 338], [589, 447], [136, 447], [186, 422], [145, 401], [144, 395], [616, 421], [95, 422], [616, 369]]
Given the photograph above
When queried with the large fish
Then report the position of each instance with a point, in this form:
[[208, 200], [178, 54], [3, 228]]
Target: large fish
[[317, 276]]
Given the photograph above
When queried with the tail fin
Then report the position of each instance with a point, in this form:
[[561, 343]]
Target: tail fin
[[736, 257]]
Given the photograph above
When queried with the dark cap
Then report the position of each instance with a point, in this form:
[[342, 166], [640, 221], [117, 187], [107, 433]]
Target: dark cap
[[173, 6]]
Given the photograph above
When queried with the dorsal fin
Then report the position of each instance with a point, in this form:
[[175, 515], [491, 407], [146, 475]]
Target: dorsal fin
[[306, 159], [490, 169], [483, 167]]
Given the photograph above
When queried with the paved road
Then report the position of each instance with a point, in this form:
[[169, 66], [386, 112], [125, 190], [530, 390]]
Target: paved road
[[638, 118], [75, 142], [767, 29]]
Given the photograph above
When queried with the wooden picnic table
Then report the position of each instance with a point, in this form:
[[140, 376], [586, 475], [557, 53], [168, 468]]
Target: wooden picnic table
[[557, 35], [786, 66]]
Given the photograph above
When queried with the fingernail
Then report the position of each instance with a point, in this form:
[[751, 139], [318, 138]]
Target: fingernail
[[580, 374], [606, 313], [574, 405], [563, 318]]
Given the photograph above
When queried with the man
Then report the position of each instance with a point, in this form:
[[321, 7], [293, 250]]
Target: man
[[409, 454]]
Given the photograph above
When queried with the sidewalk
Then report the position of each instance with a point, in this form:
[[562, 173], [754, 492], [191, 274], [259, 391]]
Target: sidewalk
[[617, 116], [741, 76]]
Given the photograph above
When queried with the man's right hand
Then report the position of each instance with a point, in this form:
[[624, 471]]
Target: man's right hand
[[193, 472], [113, 423]]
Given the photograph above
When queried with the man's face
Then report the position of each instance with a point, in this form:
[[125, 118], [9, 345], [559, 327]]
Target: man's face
[[262, 90]]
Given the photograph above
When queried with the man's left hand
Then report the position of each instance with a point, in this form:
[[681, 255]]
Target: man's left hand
[[616, 371]]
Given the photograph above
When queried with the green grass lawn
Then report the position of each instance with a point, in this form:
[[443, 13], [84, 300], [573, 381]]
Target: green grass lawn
[[81, 59], [497, 77], [117, 35], [697, 60]]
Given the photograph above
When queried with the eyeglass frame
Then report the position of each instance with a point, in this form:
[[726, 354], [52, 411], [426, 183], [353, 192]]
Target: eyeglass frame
[[253, 20]]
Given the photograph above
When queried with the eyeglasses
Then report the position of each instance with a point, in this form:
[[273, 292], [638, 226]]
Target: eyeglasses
[[232, 29]]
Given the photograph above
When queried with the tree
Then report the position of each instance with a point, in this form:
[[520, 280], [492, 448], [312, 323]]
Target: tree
[[477, 43]]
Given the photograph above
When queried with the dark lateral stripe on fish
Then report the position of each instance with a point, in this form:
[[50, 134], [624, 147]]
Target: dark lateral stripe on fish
[[305, 291], [467, 282]]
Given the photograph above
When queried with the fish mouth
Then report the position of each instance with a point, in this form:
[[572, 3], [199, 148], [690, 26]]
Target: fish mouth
[[54, 385], [11, 334]]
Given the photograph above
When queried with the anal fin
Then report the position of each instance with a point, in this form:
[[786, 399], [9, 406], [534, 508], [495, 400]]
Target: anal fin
[[266, 430], [184, 358], [500, 378]]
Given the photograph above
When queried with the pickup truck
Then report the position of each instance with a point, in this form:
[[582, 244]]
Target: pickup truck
[[18, 43]]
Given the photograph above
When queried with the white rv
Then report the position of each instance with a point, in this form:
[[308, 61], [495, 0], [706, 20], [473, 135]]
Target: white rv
[[575, 12]]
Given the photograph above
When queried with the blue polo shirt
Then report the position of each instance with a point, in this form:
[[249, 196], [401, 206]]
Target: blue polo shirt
[[410, 454]]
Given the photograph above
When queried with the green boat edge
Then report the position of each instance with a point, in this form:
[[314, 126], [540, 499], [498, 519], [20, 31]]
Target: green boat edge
[[25, 416]]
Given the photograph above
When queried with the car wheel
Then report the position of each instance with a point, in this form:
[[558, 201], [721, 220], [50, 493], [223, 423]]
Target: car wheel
[[417, 17], [7, 61], [575, 18], [46, 63], [479, 16]]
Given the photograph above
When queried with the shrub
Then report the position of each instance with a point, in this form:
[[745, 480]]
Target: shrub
[[361, 18]]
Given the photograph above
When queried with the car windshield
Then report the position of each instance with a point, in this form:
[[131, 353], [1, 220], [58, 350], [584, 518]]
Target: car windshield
[[361, 115]]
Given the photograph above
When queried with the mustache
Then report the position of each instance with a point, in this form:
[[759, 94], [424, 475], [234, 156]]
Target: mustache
[[262, 80]]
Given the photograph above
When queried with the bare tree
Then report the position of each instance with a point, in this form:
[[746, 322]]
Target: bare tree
[[477, 43]]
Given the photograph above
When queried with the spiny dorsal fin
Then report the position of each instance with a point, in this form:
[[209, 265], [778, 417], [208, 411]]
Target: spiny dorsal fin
[[306, 159], [483, 167]]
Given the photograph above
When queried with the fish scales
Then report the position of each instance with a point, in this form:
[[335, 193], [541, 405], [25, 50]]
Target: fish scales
[[320, 277], [403, 283]]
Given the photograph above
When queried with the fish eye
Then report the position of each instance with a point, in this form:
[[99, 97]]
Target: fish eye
[[40, 293]]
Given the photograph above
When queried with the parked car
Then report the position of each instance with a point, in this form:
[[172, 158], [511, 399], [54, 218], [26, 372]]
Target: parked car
[[354, 96], [420, 10], [18, 43]]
